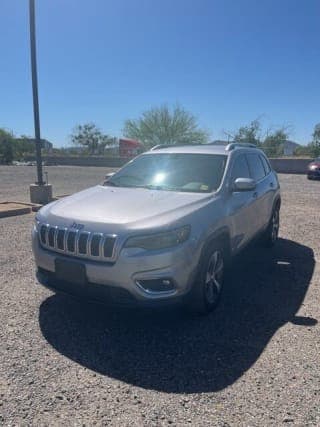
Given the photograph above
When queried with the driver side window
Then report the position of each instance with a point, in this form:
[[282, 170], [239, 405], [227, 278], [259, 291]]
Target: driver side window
[[240, 168]]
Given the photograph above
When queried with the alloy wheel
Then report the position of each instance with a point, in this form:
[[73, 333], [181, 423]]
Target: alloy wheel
[[214, 277]]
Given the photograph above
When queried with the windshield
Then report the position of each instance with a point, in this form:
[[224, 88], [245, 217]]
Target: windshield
[[200, 173]]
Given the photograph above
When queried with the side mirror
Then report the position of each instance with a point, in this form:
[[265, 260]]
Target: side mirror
[[244, 184]]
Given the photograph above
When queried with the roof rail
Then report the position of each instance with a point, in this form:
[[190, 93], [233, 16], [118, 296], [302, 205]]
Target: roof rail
[[160, 146], [234, 145]]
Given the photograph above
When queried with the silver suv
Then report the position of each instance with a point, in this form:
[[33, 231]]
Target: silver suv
[[162, 229]]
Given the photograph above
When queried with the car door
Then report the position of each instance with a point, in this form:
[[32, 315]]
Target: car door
[[271, 188], [241, 206], [261, 193]]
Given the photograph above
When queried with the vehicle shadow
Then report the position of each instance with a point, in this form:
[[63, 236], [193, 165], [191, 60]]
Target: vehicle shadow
[[171, 351]]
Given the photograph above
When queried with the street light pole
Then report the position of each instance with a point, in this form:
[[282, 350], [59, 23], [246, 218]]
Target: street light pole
[[35, 92]]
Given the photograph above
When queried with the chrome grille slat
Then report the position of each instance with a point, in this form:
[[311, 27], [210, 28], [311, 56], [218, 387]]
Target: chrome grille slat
[[47, 232], [98, 246], [62, 234], [89, 244], [76, 242], [55, 237], [65, 239], [101, 246]]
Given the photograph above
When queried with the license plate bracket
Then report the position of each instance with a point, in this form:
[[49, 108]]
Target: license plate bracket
[[70, 271]]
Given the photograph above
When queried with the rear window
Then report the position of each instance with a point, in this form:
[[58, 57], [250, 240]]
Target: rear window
[[256, 167], [265, 164]]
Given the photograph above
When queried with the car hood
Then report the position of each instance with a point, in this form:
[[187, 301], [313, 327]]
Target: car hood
[[113, 208]]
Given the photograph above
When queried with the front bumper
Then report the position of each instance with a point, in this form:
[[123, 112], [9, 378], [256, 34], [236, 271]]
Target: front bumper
[[314, 173], [116, 283]]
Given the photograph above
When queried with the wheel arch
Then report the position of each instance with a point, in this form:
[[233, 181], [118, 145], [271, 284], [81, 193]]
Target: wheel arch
[[222, 236], [277, 202], [219, 236], [276, 205]]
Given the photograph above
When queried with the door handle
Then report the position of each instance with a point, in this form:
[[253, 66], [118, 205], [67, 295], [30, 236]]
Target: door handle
[[255, 195], [271, 184]]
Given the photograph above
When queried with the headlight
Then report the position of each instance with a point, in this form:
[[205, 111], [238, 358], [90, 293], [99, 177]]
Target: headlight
[[160, 240]]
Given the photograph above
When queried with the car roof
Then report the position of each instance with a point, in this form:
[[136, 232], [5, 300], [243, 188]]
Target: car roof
[[201, 149]]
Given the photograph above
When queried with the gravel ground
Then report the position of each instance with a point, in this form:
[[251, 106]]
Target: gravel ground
[[254, 362], [15, 180]]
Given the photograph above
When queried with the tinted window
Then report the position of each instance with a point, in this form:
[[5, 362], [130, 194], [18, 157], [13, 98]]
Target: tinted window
[[200, 173], [255, 166], [240, 168], [265, 164]]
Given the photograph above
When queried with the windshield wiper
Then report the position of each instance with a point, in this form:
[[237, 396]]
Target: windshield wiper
[[110, 183], [153, 187]]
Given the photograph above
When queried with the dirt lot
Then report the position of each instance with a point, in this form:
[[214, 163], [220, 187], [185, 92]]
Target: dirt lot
[[254, 362], [15, 180]]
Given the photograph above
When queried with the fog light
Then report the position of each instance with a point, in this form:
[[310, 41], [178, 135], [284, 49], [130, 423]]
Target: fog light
[[156, 285]]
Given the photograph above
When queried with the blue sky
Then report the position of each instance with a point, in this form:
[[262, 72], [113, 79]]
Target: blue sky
[[227, 61]]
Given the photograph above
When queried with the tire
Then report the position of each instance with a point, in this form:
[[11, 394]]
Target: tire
[[309, 177], [270, 236], [206, 292]]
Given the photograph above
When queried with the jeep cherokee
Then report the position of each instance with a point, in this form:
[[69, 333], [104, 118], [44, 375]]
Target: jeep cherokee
[[162, 229]]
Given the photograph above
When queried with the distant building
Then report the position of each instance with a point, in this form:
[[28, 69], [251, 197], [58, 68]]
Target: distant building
[[289, 148], [130, 147]]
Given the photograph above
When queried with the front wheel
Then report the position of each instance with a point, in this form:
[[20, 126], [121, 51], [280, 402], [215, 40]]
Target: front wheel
[[207, 288], [272, 232]]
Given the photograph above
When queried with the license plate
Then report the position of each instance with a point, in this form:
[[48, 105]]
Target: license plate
[[70, 271]]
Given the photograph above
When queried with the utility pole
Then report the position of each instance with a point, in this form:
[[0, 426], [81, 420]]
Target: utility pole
[[40, 192], [35, 92]]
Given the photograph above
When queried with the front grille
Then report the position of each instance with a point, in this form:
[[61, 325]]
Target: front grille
[[84, 244]]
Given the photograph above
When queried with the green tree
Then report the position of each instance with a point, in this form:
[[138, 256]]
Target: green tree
[[104, 142], [274, 142], [303, 151], [161, 125], [23, 146], [250, 133], [90, 136], [315, 144], [6, 147]]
